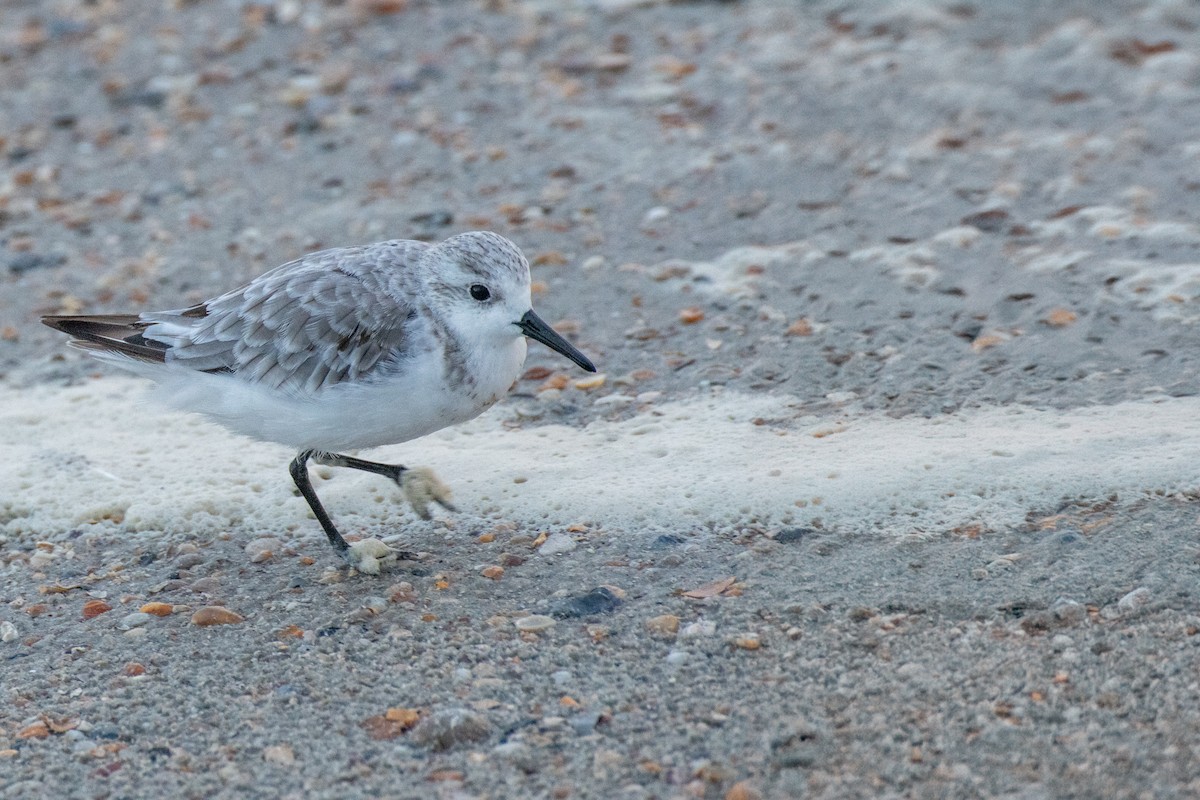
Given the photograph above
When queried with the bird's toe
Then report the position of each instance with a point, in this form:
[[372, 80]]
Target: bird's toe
[[369, 556], [422, 487]]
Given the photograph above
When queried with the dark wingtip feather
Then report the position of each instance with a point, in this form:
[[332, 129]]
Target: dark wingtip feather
[[116, 333]]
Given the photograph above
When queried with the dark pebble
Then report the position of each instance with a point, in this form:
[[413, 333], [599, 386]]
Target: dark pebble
[[149, 98], [990, 221], [597, 601], [1038, 622], [970, 331], [667, 540], [105, 730], [585, 722], [404, 86], [156, 753], [802, 745], [63, 28], [445, 728], [25, 262], [790, 535], [439, 219], [189, 560]]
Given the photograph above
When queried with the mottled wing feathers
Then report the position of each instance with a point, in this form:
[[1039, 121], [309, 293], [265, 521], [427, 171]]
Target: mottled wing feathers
[[326, 318]]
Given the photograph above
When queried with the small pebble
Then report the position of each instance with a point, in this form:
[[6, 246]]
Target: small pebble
[[263, 549], [593, 382], [698, 629], [557, 543], [209, 585], [656, 214], [1134, 600], [406, 717], [1061, 642], [663, 625], [1068, 612], [516, 753], [216, 615], [534, 623], [34, 730], [105, 730], [134, 620], [94, 608], [279, 754], [748, 641], [493, 572], [375, 605], [614, 400], [25, 262], [41, 559], [445, 728], [8, 631], [584, 722], [601, 600], [791, 535], [801, 327], [158, 609], [189, 560], [743, 791]]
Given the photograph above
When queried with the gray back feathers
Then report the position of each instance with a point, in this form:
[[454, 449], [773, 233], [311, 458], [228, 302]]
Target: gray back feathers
[[328, 317]]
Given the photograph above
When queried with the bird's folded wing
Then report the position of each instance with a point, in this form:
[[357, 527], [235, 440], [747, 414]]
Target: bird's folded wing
[[330, 317]]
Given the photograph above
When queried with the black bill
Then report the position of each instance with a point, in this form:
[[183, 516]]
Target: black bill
[[532, 326]]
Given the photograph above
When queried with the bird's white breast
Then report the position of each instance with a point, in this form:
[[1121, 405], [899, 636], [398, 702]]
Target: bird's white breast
[[420, 398]]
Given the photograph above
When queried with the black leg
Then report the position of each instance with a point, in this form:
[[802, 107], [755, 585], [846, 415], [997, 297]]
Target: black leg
[[393, 471], [299, 470]]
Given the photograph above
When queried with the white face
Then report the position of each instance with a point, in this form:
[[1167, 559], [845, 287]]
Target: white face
[[489, 308], [479, 284]]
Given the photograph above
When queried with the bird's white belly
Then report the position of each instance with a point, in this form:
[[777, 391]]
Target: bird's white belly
[[347, 416]]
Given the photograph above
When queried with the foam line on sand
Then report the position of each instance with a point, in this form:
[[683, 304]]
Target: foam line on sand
[[96, 452]]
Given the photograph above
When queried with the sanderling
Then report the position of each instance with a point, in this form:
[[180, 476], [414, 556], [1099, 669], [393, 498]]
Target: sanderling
[[341, 349]]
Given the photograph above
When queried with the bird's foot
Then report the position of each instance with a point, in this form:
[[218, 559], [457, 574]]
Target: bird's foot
[[369, 555], [422, 487]]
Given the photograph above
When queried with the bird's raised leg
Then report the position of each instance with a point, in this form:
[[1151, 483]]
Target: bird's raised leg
[[419, 484]]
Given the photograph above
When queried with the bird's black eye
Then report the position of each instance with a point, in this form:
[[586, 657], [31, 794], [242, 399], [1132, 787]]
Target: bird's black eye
[[480, 292]]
